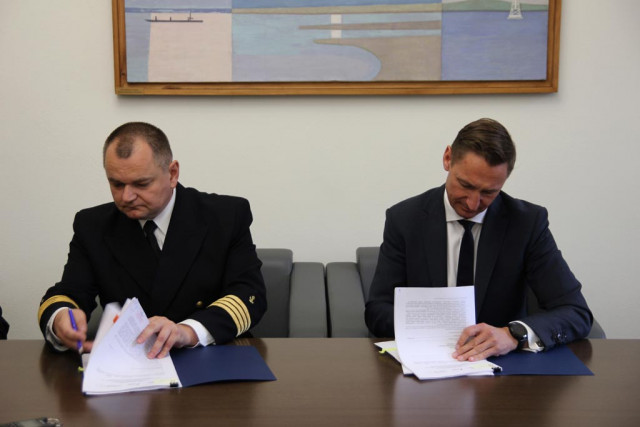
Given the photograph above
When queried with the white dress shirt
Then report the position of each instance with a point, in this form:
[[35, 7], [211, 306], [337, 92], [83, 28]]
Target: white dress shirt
[[455, 231]]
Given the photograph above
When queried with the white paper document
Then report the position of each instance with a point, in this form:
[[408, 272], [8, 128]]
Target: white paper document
[[391, 348], [428, 323], [117, 363]]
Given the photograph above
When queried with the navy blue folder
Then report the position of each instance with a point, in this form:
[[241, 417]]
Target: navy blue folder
[[216, 363], [557, 361]]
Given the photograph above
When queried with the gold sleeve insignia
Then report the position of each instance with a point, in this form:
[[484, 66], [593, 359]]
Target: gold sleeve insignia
[[54, 299], [237, 310]]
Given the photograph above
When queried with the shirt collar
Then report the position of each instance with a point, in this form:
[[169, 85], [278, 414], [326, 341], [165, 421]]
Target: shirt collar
[[451, 215], [164, 217]]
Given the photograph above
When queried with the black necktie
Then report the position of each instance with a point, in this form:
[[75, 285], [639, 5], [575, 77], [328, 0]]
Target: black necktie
[[465, 260], [149, 228]]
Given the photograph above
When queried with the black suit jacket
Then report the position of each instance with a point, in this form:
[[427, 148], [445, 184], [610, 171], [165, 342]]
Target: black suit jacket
[[4, 327], [208, 256], [515, 250]]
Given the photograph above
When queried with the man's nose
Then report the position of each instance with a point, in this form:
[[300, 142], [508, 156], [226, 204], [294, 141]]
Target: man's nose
[[128, 194], [473, 201]]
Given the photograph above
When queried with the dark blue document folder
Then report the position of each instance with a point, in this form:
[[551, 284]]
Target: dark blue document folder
[[202, 365], [557, 361]]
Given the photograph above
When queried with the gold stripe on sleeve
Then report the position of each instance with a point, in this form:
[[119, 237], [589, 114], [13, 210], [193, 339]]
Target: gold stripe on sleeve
[[237, 310], [244, 312], [232, 308], [54, 299], [231, 311]]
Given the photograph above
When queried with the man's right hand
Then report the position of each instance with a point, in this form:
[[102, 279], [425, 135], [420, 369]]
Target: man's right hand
[[69, 337], [477, 342], [168, 335]]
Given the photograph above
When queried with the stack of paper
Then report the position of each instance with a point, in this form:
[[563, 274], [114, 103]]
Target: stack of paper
[[391, 348], [117, 363], [428, 323]]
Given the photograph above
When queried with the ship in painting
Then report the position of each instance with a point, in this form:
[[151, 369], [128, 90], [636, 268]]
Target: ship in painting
[[515, 12], [189, 19]]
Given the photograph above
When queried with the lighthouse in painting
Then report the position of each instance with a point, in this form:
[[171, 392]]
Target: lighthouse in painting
[[515, 12]]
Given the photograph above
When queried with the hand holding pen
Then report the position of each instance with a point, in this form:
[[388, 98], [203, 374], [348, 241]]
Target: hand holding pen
[[70, 326], [75, 328]]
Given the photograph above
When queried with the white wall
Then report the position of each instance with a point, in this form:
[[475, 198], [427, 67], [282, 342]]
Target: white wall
[[319, 171]]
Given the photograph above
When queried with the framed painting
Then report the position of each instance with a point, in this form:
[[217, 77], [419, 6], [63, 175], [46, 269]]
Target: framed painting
[[335, 47]]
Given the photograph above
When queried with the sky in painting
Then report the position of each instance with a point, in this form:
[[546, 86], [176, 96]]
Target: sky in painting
[[320, 3], [261, 3], [193, 4], [283, 3], [536, 2]]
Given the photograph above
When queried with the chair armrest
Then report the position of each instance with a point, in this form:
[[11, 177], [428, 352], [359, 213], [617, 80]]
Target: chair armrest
[[308, 305], [346, 301], [596, 331], [277, 265], [367, 260]]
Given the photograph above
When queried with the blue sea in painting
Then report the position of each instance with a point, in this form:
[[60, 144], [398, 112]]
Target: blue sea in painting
[[487, 46], [274, 48]]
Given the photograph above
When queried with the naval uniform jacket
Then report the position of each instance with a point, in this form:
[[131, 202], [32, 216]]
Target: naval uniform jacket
[[208, 269], [515, 250]]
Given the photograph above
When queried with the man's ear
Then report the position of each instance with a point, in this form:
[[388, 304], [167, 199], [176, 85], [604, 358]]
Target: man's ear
[[446, 158], [174, 172]]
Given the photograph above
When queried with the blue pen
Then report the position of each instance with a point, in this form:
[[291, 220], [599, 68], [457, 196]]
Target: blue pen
[[75, 327]]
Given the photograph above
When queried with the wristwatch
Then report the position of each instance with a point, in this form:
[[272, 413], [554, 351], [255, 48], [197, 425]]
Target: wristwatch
[[519, 332]]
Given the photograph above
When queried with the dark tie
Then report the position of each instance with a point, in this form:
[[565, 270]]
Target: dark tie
[[465, 261], [149, 228]]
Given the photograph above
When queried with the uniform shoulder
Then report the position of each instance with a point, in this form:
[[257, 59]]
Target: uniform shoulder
[[95, 213], [214, 200]]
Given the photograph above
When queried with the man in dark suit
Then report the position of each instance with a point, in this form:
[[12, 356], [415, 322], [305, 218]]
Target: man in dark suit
[[187, 256], [511, 248], [4, 327]]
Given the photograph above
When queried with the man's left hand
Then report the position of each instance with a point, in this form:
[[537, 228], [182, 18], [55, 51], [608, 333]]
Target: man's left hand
[[169, 335], [477, 342]]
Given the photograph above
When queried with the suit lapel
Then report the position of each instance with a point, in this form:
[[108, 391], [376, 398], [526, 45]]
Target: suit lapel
[[126, 241], [182, 244], [434, 229], [494, 228]]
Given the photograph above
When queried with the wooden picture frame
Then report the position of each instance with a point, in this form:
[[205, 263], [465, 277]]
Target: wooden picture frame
[[389, 87]]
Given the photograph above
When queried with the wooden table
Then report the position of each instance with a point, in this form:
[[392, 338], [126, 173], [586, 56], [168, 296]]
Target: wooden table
[[332, 382]]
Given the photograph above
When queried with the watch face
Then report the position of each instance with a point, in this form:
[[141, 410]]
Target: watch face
[[518, 331]]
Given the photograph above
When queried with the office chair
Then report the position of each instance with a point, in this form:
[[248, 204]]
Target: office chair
[[296, 301]]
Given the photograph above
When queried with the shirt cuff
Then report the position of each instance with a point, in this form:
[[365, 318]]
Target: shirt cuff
[[204, 337], [534, 344], [50, 336]]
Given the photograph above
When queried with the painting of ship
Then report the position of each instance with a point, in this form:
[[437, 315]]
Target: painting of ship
[[189, 19]]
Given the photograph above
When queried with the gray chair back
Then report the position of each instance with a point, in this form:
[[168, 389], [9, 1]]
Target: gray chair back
[[367, 260], [348, 285], [296, 297], [277, 265]]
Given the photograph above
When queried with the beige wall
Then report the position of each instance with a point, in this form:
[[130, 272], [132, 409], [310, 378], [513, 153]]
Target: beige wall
[[319, 171]]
